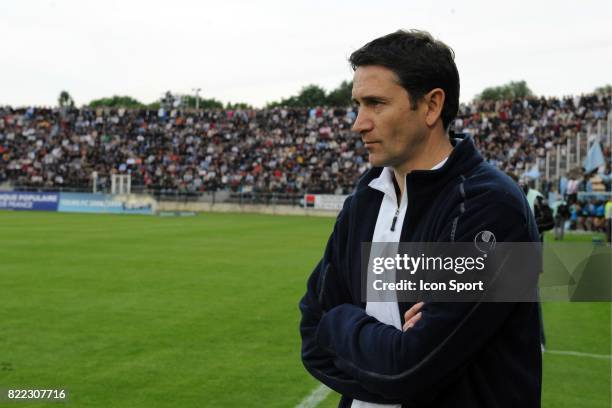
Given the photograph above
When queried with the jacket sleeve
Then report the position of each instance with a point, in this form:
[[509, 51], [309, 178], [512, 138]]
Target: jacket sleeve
[[544, 218], [325, 290], [412, 365]]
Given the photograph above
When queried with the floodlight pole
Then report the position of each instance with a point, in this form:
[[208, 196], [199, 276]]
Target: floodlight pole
[[94, 178], [578, 141], [568, 156], [558, 163], [610, 133], [197, 96]]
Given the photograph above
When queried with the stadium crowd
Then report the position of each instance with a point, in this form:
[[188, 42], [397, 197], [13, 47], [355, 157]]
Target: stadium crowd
[[511, 134], [276, 150], [268, 150]]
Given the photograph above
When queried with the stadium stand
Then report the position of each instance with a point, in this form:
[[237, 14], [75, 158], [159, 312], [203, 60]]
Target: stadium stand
[[284, 151]]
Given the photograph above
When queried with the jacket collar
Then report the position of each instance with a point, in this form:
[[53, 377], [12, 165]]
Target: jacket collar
[[384, 182], [462, 159], [422, 186]]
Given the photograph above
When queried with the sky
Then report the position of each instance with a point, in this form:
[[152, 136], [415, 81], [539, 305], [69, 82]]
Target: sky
[[262, 51]]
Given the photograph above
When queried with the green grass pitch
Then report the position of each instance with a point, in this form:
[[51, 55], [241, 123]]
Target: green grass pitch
[[140, 311]]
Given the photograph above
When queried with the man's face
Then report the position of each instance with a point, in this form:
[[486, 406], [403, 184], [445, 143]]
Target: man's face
[[391, 130]]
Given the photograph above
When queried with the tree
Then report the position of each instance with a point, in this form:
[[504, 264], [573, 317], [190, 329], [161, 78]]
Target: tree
[[313, 95], [116, 101], [342, 95], [511, 90], [606, 89], [209, 103], [189, 101], [290, 102], [238, 105], [65, 100]]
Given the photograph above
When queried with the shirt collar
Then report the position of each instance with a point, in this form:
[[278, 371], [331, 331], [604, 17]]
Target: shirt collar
[[384, 182]]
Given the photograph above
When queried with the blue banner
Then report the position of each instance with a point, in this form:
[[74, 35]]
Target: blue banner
[[104, 203], [28, 201]]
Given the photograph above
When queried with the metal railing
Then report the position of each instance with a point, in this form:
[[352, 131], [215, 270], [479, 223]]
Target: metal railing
[[563, 158], [293, 199]]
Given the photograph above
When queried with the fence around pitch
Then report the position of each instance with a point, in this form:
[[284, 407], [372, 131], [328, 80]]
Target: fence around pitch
[[563, 158]]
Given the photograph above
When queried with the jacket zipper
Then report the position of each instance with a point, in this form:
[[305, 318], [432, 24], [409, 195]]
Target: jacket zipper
[[399, 202], [395, 219]]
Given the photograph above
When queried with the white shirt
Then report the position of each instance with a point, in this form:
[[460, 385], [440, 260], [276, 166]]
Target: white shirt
[[387, 312]]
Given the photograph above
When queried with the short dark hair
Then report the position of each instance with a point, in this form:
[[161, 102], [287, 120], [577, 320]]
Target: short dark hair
[[420, 62]]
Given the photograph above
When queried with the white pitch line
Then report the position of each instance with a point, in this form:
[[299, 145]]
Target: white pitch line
[[315, 397], [579, 354]]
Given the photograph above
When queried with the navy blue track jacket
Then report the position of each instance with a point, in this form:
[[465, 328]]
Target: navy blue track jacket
[[459, 354]]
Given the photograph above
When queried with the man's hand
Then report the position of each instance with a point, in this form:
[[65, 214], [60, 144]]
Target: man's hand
[[412, 316]]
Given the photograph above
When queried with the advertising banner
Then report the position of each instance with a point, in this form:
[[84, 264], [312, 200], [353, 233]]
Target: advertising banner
[[324, 201], [28, 201], [105, 203]]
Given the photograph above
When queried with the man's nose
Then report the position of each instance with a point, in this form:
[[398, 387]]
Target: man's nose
[[362, 123]]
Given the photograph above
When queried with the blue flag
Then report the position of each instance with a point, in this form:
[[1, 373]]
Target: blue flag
[[534, 173], [594, 158]]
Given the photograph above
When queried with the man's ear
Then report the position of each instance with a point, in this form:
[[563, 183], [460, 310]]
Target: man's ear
[[434, 101]]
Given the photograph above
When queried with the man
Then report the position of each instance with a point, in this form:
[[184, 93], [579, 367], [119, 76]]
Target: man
[[424, 186], [562, 214], [543, 216], [608, 211]]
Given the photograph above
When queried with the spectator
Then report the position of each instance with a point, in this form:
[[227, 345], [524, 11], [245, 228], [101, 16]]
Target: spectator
[[561, 216], [278, 150]]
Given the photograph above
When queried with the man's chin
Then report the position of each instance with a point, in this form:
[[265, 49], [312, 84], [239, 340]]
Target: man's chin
[[376, 161]]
